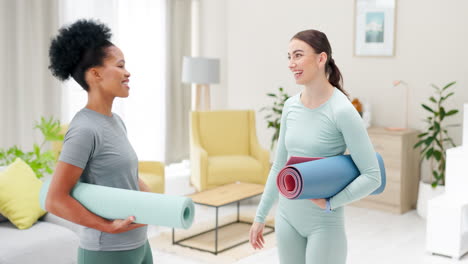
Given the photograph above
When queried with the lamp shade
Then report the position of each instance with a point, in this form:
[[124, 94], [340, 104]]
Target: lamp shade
[[200, 70]]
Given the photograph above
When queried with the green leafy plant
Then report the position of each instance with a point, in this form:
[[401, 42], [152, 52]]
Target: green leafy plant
[[41, 161], [435, 139], [274, 112]]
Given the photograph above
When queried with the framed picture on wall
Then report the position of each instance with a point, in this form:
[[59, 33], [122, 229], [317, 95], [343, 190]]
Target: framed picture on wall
[[374, 31]]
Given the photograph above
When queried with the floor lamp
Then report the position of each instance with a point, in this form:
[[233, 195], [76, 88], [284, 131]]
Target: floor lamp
[[202, 72]]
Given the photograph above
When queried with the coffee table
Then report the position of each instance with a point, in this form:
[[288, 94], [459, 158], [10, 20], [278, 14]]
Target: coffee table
[[218, 197]]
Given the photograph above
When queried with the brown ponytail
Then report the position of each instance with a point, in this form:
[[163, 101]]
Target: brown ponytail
[[319, 42]]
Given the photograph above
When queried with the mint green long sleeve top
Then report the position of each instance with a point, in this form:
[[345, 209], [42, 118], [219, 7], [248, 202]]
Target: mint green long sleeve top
[[325, 131]]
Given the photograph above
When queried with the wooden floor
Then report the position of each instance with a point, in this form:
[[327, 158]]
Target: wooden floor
[[373, 237]]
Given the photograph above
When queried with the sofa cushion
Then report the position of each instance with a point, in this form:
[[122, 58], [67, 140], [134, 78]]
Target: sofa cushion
[[232, 168], [19, 194], [42, 243], [53, 219]]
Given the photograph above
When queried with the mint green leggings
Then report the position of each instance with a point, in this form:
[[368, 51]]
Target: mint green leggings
[[310, 236], [141, 255]]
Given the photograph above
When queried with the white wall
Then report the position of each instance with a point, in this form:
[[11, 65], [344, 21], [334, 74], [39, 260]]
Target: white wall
[[214, 43], [251, 38]]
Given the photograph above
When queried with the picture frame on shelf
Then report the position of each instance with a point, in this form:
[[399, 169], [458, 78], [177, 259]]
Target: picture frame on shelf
[[374, 30]]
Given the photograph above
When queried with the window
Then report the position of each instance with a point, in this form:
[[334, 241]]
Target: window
[[139, 30]]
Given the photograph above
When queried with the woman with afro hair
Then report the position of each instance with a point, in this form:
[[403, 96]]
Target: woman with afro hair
[[96, 149]]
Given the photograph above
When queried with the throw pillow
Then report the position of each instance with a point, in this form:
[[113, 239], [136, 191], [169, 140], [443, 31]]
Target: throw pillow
[[19, 194], [2, 218]]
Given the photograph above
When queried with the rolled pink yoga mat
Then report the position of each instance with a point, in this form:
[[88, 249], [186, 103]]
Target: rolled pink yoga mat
[[289, 180], [312, 178]]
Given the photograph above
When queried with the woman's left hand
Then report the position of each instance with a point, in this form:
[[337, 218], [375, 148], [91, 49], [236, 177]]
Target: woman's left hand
[[322, 203]]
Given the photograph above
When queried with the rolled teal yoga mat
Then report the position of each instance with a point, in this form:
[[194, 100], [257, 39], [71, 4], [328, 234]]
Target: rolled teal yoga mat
[[321, 177], [148, 208]]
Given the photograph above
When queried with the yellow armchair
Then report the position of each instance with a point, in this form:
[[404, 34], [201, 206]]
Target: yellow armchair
[[224, 149], [151, 172]]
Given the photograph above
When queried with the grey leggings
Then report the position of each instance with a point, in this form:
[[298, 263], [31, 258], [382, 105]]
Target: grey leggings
[[298, 244], [141, 255]]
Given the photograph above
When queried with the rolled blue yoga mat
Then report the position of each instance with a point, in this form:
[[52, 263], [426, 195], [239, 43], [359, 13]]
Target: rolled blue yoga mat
[[322, 177], [148, 208]]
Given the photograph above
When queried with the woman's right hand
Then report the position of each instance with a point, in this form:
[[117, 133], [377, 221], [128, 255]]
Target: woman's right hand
[[123, 225], [256, 235]]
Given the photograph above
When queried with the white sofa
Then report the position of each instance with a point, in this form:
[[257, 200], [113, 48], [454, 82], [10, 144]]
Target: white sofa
[[50, 240]]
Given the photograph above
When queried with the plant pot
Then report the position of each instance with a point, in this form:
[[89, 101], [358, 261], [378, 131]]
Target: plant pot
[[425, 193]]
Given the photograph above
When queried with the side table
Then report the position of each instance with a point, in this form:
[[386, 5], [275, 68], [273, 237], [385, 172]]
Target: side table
[[219, 197]]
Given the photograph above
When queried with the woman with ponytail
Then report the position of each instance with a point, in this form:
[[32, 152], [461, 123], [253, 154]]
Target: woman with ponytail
[[320, 121], [96, 149]]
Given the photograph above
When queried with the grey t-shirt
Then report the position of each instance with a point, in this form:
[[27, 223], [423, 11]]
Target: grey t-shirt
[[99, 145]]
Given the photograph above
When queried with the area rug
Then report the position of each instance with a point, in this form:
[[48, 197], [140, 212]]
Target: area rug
[[227, 236]]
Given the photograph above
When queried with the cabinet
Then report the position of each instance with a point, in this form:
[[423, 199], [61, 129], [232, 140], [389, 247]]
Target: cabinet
[[402, 168]]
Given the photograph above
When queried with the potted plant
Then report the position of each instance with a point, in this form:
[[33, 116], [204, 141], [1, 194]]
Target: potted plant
[[433, 143], [41, 161], [273, 116]]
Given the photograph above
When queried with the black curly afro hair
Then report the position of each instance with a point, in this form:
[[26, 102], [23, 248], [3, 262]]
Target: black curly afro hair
[[77, 48]]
